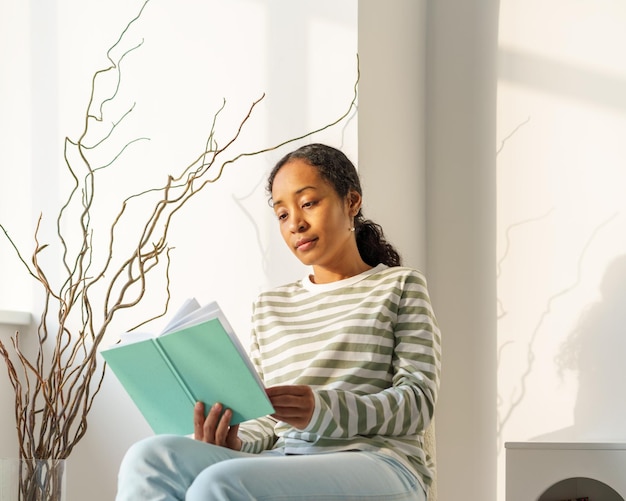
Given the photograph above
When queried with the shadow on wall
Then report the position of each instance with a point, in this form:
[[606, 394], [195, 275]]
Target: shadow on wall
[[595, 351]]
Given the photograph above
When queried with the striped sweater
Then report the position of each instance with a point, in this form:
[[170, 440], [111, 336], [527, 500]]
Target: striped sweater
[[369, 347]]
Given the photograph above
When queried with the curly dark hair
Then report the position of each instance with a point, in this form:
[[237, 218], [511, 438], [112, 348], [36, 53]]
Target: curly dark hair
[[335, 167]]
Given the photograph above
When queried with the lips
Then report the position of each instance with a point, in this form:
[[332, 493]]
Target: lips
[[305, 244]]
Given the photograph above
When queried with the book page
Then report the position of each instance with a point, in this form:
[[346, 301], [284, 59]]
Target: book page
[[188, 307], [192, 317], [185, 316]]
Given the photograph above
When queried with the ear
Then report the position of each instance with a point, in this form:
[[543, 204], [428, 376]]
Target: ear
[[354, 200]]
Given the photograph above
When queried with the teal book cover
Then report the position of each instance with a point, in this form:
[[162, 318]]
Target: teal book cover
[[197, 357]]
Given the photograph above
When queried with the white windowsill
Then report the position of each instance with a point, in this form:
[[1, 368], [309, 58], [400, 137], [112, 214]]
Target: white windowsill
[[15, 317]]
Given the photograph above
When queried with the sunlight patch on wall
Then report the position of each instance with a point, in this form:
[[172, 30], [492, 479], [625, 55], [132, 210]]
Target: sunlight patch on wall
[[561, 221]]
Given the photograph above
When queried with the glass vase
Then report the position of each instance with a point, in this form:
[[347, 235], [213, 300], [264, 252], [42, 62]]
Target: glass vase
[[32, 480]]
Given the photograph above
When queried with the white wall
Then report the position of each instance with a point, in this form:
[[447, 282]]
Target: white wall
[[461, 82], [392, 121], [426, 129], [194, 54], [556, 249], [561, 222], [15, 199]]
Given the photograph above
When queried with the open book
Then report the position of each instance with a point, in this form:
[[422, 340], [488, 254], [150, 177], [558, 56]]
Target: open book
[[197, 357]]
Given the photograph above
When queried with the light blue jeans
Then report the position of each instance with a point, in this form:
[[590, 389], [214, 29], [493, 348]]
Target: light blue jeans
[[168, 468]]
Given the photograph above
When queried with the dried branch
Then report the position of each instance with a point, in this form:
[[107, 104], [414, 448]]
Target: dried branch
[[55, 389]]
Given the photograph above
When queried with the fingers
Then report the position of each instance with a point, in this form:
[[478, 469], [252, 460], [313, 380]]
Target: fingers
[[291, 397], [293, 404], [220, 432], [285, 390], [198, 421], [215, 428], [232, 437]]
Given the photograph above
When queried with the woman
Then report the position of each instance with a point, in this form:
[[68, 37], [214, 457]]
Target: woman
[[350, 356]]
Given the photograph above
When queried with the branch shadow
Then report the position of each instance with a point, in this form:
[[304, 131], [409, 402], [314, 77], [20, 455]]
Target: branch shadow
[[594, 351]]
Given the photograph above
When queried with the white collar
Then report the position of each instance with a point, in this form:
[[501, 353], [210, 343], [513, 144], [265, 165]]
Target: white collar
[[337, 284]]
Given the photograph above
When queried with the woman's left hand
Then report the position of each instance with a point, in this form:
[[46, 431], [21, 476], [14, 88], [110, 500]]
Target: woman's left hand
[[294, 404], [215, 428]]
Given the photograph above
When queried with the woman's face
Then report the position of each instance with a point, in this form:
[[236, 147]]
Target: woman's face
[[314, 221]]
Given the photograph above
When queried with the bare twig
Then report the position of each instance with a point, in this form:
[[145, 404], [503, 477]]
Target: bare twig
[[56, 387]]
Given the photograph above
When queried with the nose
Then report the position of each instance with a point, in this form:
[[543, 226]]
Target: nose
[[297, 223]]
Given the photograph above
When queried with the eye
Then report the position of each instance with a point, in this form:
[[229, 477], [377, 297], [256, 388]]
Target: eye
[[281, 216], [307, 205]]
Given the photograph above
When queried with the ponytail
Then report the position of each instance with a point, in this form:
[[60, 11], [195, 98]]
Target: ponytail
[[372, 245]]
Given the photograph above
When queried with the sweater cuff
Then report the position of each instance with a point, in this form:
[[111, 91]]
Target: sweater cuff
[[317, 411]]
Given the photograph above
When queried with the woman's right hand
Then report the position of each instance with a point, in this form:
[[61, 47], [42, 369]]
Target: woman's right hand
[[215, 428]]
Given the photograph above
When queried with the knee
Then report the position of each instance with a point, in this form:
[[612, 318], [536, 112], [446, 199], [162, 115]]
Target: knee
[[221, 481], [159, 448], [149, 470]]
